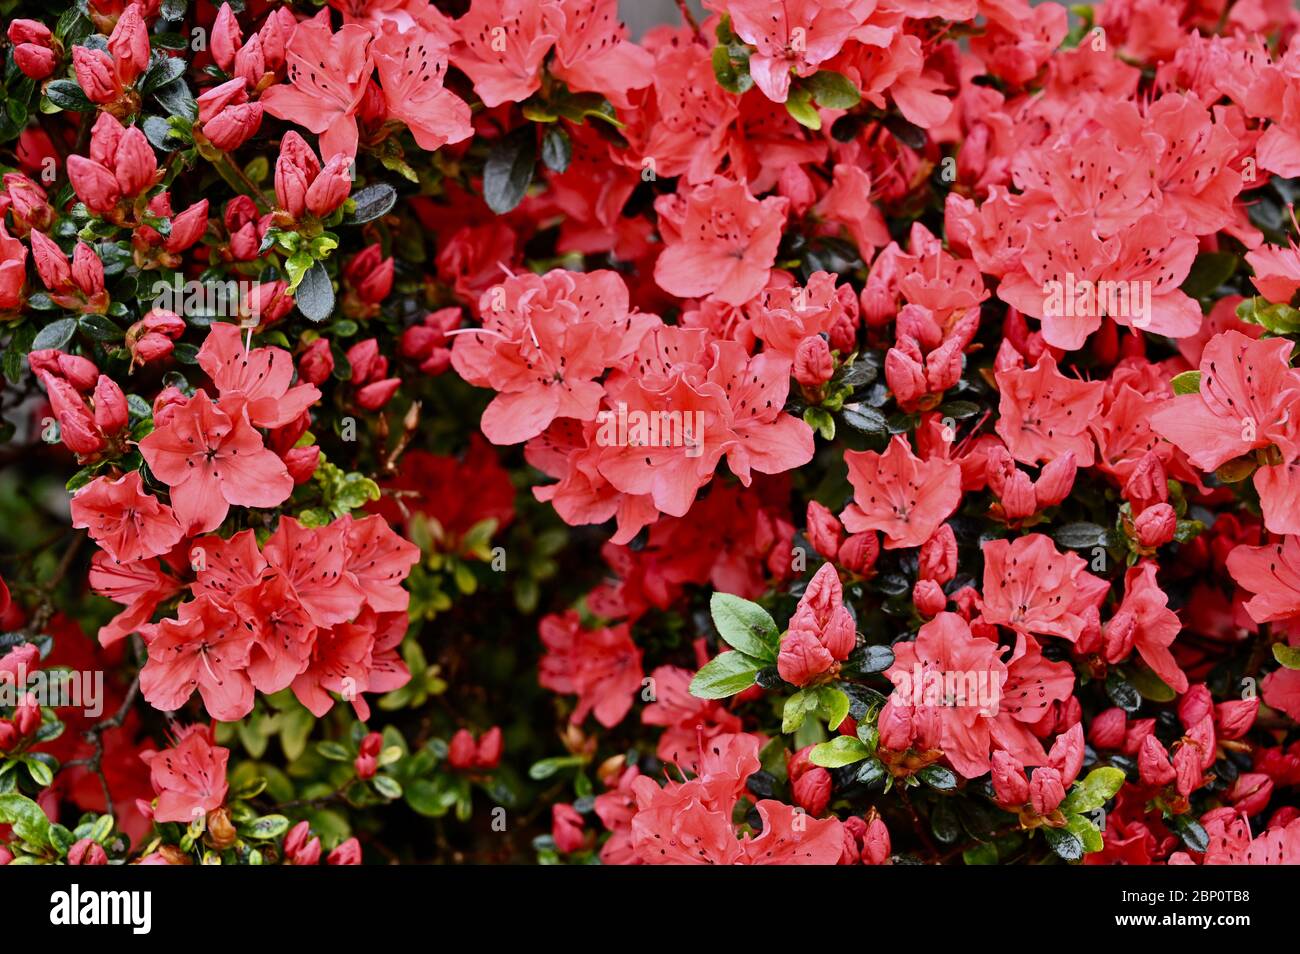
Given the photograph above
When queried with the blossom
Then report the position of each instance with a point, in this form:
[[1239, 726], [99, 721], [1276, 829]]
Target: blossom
[[127, 522], [205, 648], [411, 67], [790, 38], [1043, 414], [328, 73], [1154, 626], [902, 496], [1272, 574], [210, 461], [189, 778], [722, 243], [601, 666], [501, 47], [1032, 588]]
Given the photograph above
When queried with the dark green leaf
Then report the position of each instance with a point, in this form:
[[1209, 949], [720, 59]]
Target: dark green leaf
[[315, 293], [509, 170], [371, 202], [557, 149], [55, 335]]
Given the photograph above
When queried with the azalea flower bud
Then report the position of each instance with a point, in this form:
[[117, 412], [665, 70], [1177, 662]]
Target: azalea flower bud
[[802, 658], [566, 828], [251, 62], [136, 164], [347, 853], [330, 189], [1017, 495], [9, 736], [29, 31], [1153, 763], [6, 855], [1279, 819], [844, 332], [80, 372], [1045, 790], [1009, 781], [111, 414], [95, 74], [87, 270], [27, 716], [879, 304], [1136, 734], [1089, 640], [813, 364], [187, 227], [234, 125], [876, 848], [1187, 769], [168, 400], [490, 746], [1251, 792], [1119, 636], [268, 302], [295, 170], [824, 530], [51, 264], [129, 44], [221, 833], [1147, 484], [918, 323], [1234, 719], [1066, 755], [94, 185], [317, 362], [858, 553], [905, 372], [1107, 729], [301, 847], [1195, 704], [1055, 480], [938, 556], [366, 361], [87, 852], [1155, 526], [376, 394], [812, 790], [943, 366], [29, 205], [462, 750], [366, 763], [370, 274], [895, 726], [301, 462], [227, 38], [929, 598]]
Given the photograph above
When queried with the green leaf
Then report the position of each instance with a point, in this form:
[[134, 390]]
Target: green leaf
[[28, 821], [1209, 271], [55, 335], [1064, 842], [1190, 831], [865, 419], [840, 751], [1189, 382], [334, 751], [1288, 656], [163, 70], [725, 675], [824, 702], [1280, 319], [370, 203], [799, 105], [557, 149], [545, 768], [1089, 834], [100, 328], [432, 798], [176, 98], [315, 293], [833, 90], [869, 659], [985, 853], [1081, 536], [1090, 793], [66, 94], [1150, 685], [820, 420], [745, 626], [387, 786], [265, 828], [1122, 692], [938, 777], [509, 170]]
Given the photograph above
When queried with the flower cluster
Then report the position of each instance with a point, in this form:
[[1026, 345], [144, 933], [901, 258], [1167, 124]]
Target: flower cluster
[[819, 434]]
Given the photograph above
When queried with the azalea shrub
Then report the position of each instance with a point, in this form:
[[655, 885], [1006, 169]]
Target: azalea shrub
[[808, 433]]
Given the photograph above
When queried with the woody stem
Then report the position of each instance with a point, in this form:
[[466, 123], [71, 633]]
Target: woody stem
[[238, 181]]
